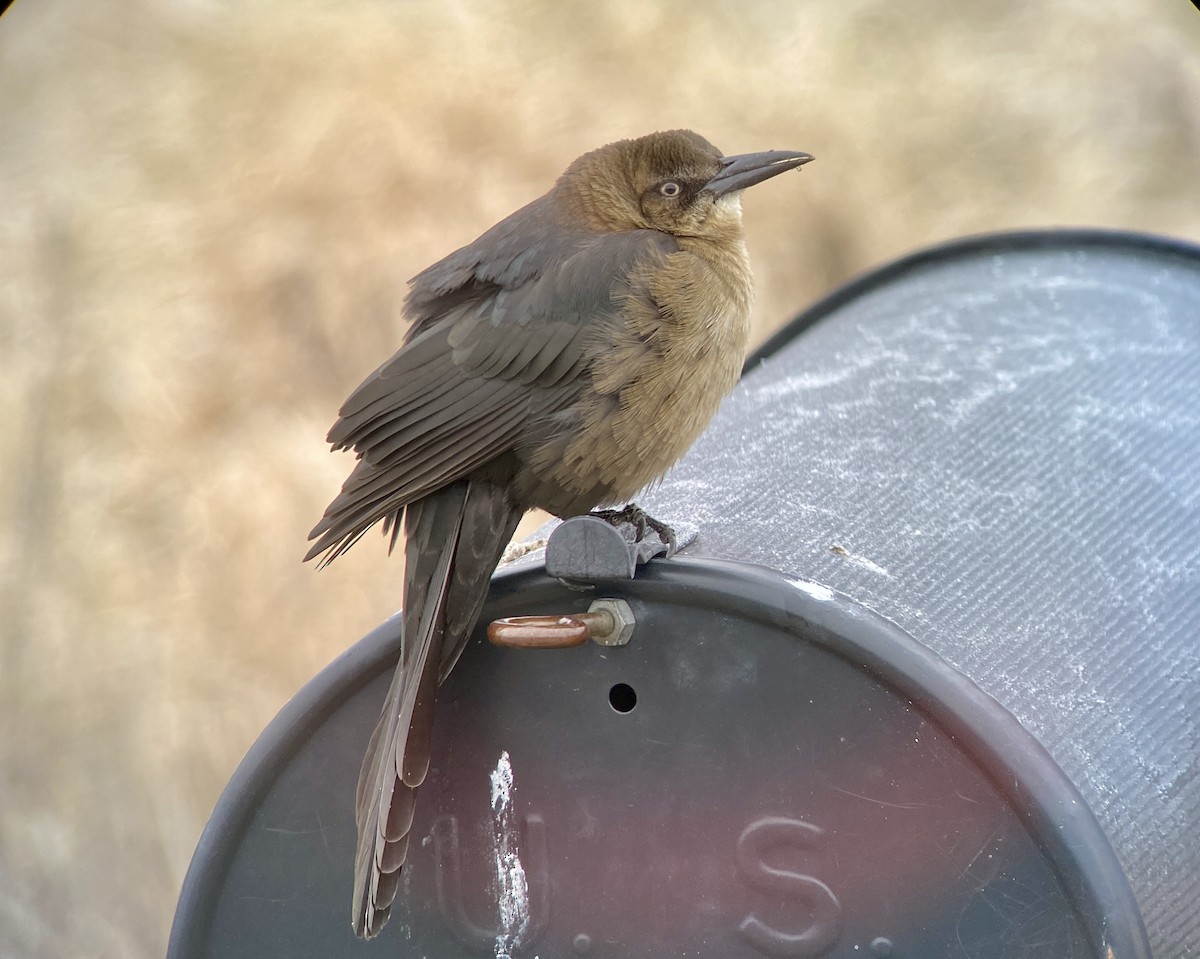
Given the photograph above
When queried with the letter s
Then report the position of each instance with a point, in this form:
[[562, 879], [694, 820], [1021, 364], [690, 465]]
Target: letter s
[[822, 906]]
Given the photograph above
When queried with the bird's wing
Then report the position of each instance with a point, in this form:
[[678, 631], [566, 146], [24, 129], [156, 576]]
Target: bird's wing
[[486, 356]]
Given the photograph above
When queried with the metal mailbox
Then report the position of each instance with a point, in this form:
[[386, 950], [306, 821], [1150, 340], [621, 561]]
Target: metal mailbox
[[926, 684]]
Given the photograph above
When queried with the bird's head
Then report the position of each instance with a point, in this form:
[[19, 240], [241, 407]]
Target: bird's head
[[675, 181]]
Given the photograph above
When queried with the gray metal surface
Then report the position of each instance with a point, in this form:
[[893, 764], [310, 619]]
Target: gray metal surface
[[997, 446]]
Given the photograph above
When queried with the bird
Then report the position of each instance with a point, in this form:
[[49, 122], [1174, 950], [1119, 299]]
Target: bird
[[564, 360]]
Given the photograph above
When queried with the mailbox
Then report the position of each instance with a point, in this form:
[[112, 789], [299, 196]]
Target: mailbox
[[925, 684]]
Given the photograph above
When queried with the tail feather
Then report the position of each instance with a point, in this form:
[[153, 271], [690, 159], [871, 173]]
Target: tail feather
[[454, 538]]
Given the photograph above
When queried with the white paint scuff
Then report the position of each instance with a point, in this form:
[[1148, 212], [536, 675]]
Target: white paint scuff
[[815, 590], [860, 561], [512, 889]]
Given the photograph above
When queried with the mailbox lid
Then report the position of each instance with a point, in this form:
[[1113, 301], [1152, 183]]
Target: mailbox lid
[[768, 768]]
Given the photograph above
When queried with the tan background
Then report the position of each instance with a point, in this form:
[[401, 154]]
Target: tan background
[[208, 209]]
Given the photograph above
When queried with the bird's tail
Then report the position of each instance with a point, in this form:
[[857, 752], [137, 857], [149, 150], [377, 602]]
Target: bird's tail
[[454, 539]]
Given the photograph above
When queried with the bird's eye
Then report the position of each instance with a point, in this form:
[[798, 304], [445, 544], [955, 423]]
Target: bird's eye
[[670, 189]]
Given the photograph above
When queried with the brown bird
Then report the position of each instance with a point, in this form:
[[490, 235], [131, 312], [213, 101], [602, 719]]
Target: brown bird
[[564, 360]]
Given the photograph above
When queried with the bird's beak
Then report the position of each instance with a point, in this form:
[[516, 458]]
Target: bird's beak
[[747, 169]]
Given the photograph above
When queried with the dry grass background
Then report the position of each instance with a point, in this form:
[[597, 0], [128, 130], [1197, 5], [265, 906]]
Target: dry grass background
[[209, 209]]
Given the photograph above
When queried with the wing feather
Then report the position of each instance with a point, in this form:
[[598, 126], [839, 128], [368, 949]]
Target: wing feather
[[484, 363]]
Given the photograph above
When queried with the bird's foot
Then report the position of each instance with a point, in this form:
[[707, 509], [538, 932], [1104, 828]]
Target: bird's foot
[[637, 517], [610, 544]]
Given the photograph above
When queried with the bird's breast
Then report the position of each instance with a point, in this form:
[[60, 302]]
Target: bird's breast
[[658, 378]]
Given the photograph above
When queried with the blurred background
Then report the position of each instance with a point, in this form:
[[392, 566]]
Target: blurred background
[[208, 212]]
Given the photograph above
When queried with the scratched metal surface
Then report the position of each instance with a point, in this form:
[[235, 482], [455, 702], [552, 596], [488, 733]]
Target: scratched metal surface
[[997, 446]]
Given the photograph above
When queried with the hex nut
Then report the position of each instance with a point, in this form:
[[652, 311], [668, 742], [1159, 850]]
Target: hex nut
[[622, 616]]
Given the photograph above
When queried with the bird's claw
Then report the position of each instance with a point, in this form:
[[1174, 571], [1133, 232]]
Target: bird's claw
[[641, 521]]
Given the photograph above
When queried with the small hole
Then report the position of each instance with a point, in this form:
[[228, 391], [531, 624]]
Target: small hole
[[622, 698]]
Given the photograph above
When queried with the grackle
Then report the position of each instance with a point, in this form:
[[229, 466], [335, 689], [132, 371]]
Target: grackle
[[564, 360]]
